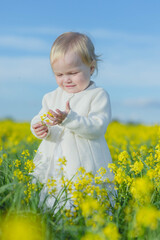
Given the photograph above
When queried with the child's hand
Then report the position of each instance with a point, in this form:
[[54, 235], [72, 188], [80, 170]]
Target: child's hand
[[40, 129], [58, 116]]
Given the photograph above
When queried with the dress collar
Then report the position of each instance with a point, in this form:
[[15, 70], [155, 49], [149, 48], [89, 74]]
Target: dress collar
[[91, 86]]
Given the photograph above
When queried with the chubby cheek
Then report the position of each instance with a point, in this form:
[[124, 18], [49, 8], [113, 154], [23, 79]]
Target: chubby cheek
[[83, 85], [59, 82], [84, 82]]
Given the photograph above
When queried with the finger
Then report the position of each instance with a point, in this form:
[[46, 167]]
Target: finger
[[40, 132], [42, 127], [56, 118], [57, 121], [50, 118], [36, 125], [52, 113], [51, 123], [61, 115], [43, 135], [58, 111], [67, 107]]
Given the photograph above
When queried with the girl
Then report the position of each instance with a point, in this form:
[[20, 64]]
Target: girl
[[78, 112]]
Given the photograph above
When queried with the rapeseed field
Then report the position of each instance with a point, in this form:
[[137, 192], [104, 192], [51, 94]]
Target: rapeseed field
[[84, 208]]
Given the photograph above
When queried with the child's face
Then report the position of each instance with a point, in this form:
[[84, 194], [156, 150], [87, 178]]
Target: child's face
[[71, 74]]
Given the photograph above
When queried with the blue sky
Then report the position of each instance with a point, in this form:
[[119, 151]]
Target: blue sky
[[126, 34]]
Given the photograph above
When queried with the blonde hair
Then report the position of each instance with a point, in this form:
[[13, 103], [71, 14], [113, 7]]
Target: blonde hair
[[77, 42]]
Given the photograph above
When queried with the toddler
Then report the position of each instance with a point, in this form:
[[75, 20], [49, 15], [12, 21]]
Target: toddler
[[78, 112]]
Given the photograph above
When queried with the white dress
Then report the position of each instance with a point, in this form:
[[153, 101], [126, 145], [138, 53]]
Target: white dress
[[79, 138]]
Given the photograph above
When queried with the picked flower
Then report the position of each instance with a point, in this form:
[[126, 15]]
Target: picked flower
[[45, 119]]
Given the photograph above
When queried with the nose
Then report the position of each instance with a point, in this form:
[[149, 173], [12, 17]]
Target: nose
[[67, 79]]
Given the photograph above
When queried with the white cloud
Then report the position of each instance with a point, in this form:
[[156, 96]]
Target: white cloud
[[102, 33], [25, 43], [142, 103], [128, 59], [43, 30], [37, 69], [27, 69], [143, 110], [126, 64], [99, 33], [124, 36], [131, 73]]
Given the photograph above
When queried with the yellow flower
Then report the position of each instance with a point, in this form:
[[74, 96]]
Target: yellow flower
[[25, 153], [157, 152], [102, 171], [113, 167], [17, 163], [29, 165], [22, 227], [151, 173], [123, 158], [150, 161], [62, 161], [50, 114], [1, 160], [148, 217], [68, 213], [98, 180], [4, 155], [120, 176], [143, 149], [52, 186], [88, 206], [136, 167], [111, 232], [18, 173], [128, 180], [92, 236], [141, 189], [82, 170], [30, 187]]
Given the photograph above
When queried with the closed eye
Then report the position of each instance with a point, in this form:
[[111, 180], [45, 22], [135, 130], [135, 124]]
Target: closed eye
[[59, 75], [73, 73]]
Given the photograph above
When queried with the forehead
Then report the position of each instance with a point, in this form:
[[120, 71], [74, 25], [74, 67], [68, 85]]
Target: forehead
[[70, 59]]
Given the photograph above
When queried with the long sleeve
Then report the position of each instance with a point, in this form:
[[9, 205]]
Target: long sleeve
[[37, 118], [54, 131], [95, 124]]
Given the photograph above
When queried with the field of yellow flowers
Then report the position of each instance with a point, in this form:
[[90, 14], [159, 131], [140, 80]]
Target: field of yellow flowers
[[83, 209]]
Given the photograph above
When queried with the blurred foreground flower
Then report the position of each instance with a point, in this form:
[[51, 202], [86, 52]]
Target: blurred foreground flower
[[22, 228], [148, 217], [141, 190]]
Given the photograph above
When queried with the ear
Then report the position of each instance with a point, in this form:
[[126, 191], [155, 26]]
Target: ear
[[92, 67]]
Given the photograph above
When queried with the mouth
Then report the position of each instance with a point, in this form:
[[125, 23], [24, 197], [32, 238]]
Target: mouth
[[70, 86]]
